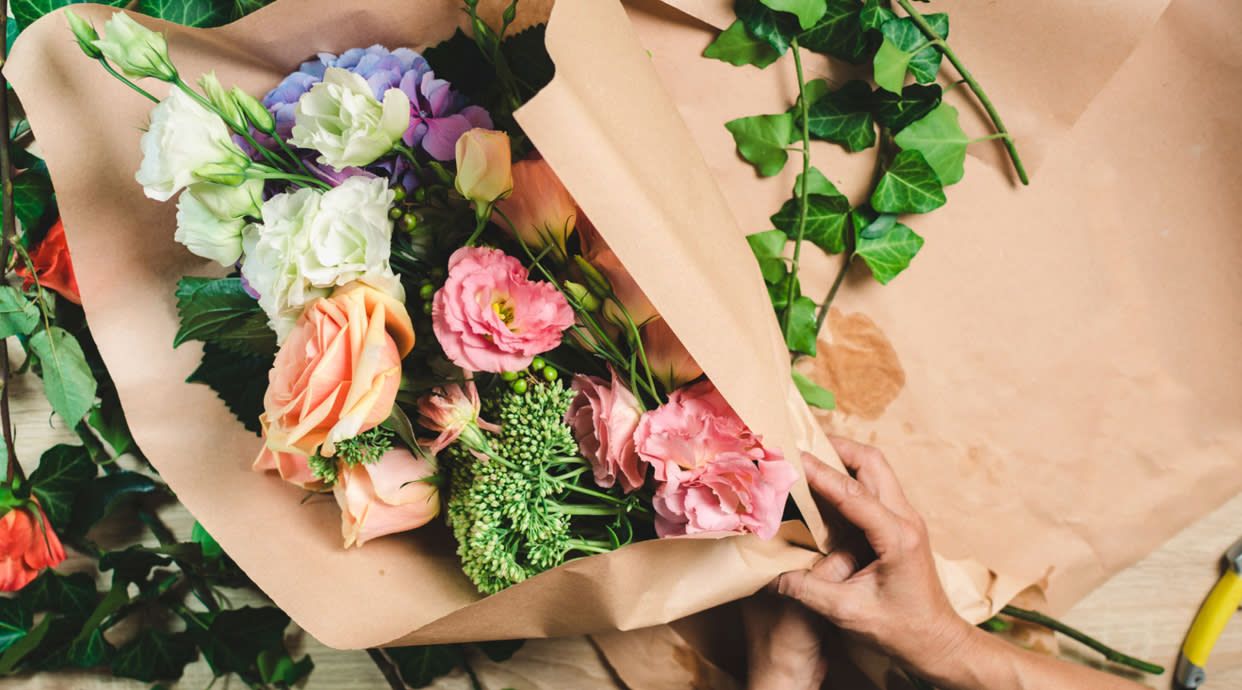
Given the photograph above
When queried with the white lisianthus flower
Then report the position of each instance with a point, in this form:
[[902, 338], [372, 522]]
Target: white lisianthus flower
[[340, 118], [230, 202], [136, 50], [312, 242], [206, 234], [183, 137]]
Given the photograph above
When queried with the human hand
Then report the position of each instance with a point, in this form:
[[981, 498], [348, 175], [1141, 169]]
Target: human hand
[[895, 601], [783, 644]]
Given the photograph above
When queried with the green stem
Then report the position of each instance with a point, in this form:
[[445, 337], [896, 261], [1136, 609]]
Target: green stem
[[588, 546], [1109, 653], [982, 95], [836, 284], [266, 173], [387, 668], [8, 229], [803, 191], [125, 80], [479, 224]]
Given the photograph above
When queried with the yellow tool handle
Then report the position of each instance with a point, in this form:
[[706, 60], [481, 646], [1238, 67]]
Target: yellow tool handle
[[1215, 613]]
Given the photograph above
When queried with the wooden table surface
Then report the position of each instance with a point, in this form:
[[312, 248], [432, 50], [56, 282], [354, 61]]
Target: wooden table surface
[[1145, 610]]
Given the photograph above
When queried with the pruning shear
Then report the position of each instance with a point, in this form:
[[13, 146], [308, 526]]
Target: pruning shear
[[1210, 622]]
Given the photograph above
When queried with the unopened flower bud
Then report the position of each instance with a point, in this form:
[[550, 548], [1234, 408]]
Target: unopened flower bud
[[258, 116], [136, 50], [221, 173], [85, 33], [223, 102], [484, 168], [595, 281], [582, 295]]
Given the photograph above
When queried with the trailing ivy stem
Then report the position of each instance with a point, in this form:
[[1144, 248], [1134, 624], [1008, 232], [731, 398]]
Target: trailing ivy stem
[[386, 667], [7, 228], [982, 95], [803, 191], [1109, 653], [836, 284]]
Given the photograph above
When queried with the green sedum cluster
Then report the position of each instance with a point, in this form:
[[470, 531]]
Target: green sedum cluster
[[363, 449]]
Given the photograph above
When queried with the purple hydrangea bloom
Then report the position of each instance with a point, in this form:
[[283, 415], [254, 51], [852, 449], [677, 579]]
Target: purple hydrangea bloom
[[438, 114]]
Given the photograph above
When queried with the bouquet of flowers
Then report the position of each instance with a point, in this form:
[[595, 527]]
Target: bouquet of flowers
[[440, 327]]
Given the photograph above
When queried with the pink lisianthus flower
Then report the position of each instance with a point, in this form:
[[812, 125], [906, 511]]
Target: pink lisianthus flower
[[692, 429], [733, 493], [451, 411], [604, 417], [490, 316], [394, 495]]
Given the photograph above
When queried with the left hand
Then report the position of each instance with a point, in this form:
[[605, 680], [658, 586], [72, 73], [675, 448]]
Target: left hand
[[783, 643]]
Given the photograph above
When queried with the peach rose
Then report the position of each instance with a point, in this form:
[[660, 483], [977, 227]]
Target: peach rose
[[386, 497], [291, 466], [338, 372], [541, 210], [27, 546]]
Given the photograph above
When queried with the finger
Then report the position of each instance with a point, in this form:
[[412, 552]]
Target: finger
[[871, 468], [879, 525], [837, 566], [815, 593]]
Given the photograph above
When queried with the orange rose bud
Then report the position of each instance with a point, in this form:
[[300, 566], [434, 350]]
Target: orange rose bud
[[484, 167]]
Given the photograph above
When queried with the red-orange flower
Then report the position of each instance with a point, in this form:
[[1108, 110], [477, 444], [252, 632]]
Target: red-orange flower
[[27, 546], [52, 265]]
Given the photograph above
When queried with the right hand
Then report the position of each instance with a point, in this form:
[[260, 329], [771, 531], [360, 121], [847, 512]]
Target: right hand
[[894, 601]]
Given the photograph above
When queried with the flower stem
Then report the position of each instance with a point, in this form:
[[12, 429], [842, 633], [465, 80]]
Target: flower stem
[[1109, 653], [8, 227], [126, 81], [386, 667], [803, 190], [982, 95]]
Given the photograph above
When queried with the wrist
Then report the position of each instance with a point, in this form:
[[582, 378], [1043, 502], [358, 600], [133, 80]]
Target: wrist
[[942, 650]]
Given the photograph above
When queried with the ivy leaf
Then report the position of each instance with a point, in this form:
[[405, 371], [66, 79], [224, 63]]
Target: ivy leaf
[[62, 648], [242, 8], [108, 420], [15, 620], [889, 252], [905, 35], [88, 651], [63, 472], [72, 595], [737, 47], [909, 185], [500, 651], [27, 644], [239, 380], [10, 34], [891, 64], [27, 11], [200, 13], [235, 638], [18, 315], [101, 497], [844, 117], [277, 668], [768, 248], [940, 139], [814, 394], [421, 666], [839, 32], [133, 564], [874, 14], [775, 28], [816, 184], [807, 11], [218, 310], [154, 655], [33, 199], [826, 217], [779, 292], [802, 332], [67, 379], [207, 543], [761, 140], [897, 110]]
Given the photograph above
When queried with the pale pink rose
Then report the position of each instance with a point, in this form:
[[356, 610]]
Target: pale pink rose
[[671, 364], [338, 372], [599, 255], [490, 316], [449, 411], [292, 467], [541, 210], [385, 497], [691, 430], [733, 493], [484, 166], [604, 417]]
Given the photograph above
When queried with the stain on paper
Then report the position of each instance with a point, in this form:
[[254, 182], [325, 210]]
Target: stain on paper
[[858, 364]]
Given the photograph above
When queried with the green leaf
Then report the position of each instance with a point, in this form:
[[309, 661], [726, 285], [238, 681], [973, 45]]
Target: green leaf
[[276, 667], [736, 46], [239, 380], [108, 420], [775, 28], [826, 217], [218, 310], [940, 139], [839, 32], [133, 564], [888, 253], [18, 651], [500, 651], [807, 11], [61, 648], [72, 595], [67, 379], [779, 292], [200, 13], [891, 64], [88, 651], [207, 543], [768, 248], [814, 394], [154, 655], [235, 638], [242, 8], [817, 184], [897, 110], [62, 473], [905, 35], [18, 315], [103, 495], [27, 11], [421, 666], [15, 620], [844, 117], [34, 202], [874, 14], [761, 140], [11, 32], [802, 332], [909, 185]]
